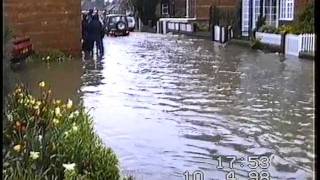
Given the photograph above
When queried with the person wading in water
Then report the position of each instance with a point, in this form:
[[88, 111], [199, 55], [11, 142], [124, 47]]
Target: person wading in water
[[95, 35]]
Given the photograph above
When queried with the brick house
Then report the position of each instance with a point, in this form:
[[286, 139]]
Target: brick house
[[199, 10], [50, 24], [277, 12]]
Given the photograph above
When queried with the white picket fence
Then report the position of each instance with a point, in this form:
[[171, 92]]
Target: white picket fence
[[295, 44], [307, 42]]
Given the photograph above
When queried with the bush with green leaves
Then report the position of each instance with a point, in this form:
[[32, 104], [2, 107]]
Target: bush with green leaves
[[48, 139], [268, 29]]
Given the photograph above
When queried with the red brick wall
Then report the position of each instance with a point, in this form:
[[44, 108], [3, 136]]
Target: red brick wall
[[203, 7], [299, 6], [51, 24]]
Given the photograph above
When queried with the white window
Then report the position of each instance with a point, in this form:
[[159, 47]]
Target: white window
[[165, 9], [286, 9]]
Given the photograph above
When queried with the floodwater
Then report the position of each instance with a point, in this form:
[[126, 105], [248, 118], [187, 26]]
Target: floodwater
[[169, 104]]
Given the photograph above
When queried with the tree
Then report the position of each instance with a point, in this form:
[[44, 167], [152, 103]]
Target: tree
[[145, 9]]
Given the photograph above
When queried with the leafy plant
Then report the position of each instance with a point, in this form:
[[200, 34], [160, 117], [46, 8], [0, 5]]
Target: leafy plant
[[268, 29], [48, 139]]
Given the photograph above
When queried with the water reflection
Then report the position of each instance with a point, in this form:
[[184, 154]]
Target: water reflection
[[170, 104]]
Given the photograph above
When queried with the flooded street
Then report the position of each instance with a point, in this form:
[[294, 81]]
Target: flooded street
[[169, 104]]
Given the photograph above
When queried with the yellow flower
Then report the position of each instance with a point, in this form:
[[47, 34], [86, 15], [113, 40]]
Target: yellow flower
[[38, 103], [58, 101], [17, 147], [42, 84], [32, 101], [55, 121], [48, 57], [69, 104], [36, 107], [34, 155], [18, 90], [57, 111]]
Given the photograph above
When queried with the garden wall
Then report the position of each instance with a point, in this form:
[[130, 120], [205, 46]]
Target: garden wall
[[51, 24]]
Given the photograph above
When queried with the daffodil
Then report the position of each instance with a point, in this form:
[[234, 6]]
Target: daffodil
[[69, 104], [42, 84], [76, 113], [69, 167], [71, 115], [57, 111], [32, 101], [74, 128], [55, 121], [40, 138], [18, 90], [17, 147], [36, 107], [34, 155]]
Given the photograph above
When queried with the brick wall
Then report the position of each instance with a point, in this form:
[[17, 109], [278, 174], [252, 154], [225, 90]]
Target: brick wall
[[203, 7], [51, 24]]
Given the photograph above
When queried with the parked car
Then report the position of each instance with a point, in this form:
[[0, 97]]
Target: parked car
[[131, 23], [117, 25]]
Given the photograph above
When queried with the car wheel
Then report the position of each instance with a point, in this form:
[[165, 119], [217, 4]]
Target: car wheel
[[121, 26]]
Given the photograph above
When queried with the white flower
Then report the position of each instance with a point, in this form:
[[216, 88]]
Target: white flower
[[34, 155], [48, 57], [42, 84], [57, 111], [71, 116], [74, 127], [55, 121], [69, 104], [40, 138], [76, 113], [69, 167]]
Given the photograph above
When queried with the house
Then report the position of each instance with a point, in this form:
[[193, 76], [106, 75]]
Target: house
[[173, 8], [276, 12], [45, 22], [199, 11]]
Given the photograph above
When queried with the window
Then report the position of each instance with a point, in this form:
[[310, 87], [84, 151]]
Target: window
[[286, 9], [165, 9]]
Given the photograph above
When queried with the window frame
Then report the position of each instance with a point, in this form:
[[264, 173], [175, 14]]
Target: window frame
[[285, 15], [163, 7]]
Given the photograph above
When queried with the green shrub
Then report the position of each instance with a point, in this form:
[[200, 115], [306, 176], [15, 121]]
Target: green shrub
[[268, 29], [46, 138]]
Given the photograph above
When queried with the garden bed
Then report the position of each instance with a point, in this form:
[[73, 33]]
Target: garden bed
[[45, 138]]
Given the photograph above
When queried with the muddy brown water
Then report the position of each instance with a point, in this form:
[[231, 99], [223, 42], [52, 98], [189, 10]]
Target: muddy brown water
[[170, 104]]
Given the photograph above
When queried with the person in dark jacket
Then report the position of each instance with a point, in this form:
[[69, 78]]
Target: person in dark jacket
[[90, 15], [95, 34], [84, 25]]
